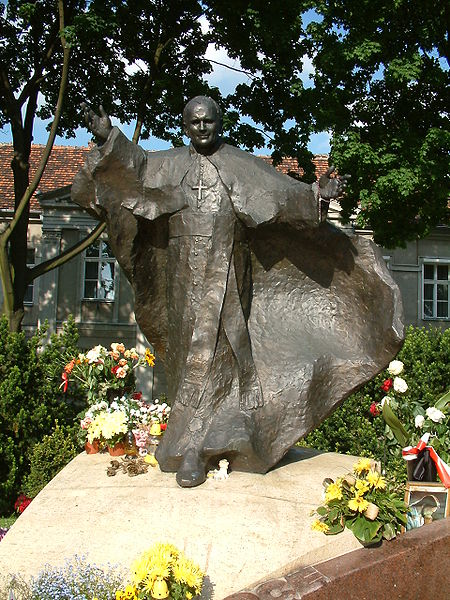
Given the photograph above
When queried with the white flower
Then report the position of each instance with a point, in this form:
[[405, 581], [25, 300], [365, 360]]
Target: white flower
[[419, 421], [385, 399], [92, 356], [114, 405], [395, 367], [435, 414], [400, 385]]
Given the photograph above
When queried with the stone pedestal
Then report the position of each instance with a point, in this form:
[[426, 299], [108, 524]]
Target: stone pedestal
[[244, 530]]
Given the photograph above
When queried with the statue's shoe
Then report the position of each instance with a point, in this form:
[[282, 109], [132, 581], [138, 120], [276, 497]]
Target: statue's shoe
[[192, 471]]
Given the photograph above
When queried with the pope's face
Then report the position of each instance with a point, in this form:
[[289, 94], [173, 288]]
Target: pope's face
[[202, 126]]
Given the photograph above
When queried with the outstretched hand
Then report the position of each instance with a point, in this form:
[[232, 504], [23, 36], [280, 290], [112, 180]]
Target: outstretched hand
[[332, 187], [99, 125]]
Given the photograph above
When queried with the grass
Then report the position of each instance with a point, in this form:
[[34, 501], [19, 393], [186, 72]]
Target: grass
[[8, 521]]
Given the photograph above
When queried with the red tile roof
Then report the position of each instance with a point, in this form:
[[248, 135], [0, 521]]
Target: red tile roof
[[63, 164], [290, 165], [65, 161]]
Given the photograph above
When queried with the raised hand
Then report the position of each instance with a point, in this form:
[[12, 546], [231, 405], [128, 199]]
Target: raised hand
[[330, 188], [100, 125]]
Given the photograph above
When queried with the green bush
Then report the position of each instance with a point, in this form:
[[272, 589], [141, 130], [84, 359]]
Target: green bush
[[352, 429], [48, 457], [30, 399]]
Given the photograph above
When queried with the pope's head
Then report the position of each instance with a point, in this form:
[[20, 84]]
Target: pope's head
[[202, 123]]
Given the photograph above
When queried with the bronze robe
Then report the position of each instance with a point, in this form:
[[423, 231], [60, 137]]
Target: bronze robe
[[265, 321]]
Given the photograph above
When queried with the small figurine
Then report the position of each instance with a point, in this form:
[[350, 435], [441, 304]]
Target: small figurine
[[221, 473]]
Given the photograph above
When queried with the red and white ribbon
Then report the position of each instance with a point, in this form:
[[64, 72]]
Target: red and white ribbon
[[411, 452]]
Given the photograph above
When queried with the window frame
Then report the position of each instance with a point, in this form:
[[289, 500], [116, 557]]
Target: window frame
[[30, 285], [99, 259], [435, 262]]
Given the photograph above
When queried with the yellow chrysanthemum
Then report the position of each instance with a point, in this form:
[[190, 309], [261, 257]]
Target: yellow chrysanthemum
[[361, 487], [333, 492], [94, 431], [376, 480], [107, 425], [150, 358], [317, 525], [186, 571], [358, 503], [152, 563], [362, 465]]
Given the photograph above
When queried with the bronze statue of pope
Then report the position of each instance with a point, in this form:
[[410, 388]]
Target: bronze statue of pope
[[265, 316]]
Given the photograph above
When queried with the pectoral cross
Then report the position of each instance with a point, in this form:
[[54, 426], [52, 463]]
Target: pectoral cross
[[200, 187]]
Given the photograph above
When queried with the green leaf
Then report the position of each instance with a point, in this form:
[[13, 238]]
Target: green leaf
[[443, 401], [334, 529], [388, 531], [400, 433], [363, 529]]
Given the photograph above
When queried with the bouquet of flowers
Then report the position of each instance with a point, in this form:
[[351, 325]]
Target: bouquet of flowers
[[159, 412], [362, 502], [430, 423], [100, 370], [160, 572], [110, 422]]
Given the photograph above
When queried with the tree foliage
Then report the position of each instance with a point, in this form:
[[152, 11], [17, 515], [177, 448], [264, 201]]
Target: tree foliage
[[382, 71], [142, 60], [379, 86], [30, 399]]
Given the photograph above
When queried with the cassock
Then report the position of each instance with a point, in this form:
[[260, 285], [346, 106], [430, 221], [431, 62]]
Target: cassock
[[264, 317]]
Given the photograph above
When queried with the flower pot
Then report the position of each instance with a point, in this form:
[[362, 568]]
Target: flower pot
[[92, 448], [117, 450]]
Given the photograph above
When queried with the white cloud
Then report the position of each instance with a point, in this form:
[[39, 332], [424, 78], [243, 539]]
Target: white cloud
[[226, 79]]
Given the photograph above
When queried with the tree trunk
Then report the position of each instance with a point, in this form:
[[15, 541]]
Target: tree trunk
[[18, 239]]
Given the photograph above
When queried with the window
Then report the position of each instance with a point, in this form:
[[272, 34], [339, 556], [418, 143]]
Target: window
[[436, 284], [99, 272], [31, 258]]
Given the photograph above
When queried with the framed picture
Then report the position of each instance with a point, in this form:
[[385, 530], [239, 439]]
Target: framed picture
[[427, 502]]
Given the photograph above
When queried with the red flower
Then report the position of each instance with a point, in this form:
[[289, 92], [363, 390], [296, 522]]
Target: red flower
[[374, 410], [115, 369], [21, 503], [387, 384], [137, 396], [163, 426]]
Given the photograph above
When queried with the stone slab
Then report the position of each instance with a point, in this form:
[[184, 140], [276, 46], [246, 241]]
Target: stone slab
[[414, 566], [241, 531]]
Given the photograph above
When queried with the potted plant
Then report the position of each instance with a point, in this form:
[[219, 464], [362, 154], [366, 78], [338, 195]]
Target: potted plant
[[163, 571], [362, 502]]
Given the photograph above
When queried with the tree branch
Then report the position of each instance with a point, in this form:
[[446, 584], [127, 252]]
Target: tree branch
[[146, 91], [215, 62], [62, 258]]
